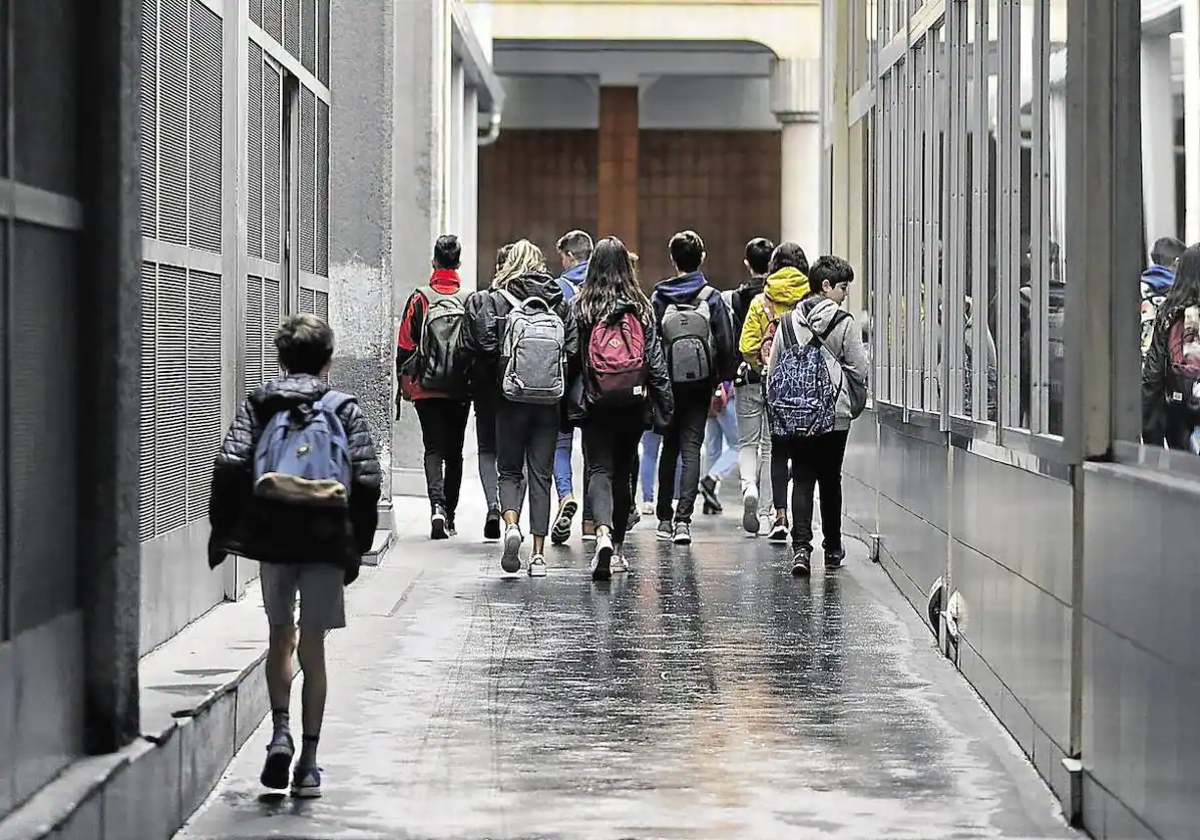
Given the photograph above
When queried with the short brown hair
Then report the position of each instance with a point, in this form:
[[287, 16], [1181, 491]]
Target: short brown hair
[[305, 344]]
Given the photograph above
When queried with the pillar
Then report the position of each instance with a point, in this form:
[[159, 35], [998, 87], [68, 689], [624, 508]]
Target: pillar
[[618, 165], [469, 189], [1191, 117], [1158, 138], [795, 101]]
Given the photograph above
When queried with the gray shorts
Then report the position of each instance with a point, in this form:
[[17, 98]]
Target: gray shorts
[[322, 595]]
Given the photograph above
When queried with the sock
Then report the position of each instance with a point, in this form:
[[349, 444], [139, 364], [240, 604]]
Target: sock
[[281, 720], [308, 751]]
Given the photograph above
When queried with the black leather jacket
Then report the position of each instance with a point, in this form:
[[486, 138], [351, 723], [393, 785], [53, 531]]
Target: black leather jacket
[[1162, 422], [269, 532]]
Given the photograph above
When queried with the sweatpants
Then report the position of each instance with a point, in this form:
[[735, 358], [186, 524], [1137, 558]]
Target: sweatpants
[[683, 439], [814, 461], [443, 428], [754, 439], [611, 439], [527, 444]]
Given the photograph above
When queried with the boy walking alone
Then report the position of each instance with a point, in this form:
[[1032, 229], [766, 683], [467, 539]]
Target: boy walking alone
[[295, 487]]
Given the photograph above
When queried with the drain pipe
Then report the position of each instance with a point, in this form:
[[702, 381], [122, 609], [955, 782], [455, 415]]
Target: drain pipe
[[493, 131]]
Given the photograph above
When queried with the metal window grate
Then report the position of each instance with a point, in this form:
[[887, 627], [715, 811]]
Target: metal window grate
[[308, 301], [147, 458], [322, 236], [272, 160], [271, 318], [204, 130], [273, 19], [254, 147], [323, 42], [256, 12], [148, 111], [291, 27], [308, 181], [203, 388], [170, 433], [254, 333], [321, 305], [308, 35], [173, 130]]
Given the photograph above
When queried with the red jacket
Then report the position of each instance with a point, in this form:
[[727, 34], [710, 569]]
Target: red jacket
[[445, 281]]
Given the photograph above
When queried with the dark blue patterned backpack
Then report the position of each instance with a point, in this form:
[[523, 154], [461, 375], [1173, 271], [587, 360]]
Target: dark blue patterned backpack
[[801, 393]]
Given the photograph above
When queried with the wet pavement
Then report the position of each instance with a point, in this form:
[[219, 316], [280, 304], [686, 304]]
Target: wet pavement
[[706, 694]]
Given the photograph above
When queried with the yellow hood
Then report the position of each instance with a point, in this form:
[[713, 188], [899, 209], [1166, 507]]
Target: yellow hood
[[786, 287]]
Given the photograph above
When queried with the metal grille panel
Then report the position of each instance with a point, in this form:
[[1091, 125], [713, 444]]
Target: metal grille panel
[[254, 333], [273, 19], [45, 53], [322, 243], [256, 12], [291, 27], [204, 129], [254, 146], [170, 433], [43, 418], [272, 160], [308, 180], [308, 300], [148, 112], [204, 387], [4, 419], [323, 41], [321, 306], [271, 317], [173, 108], [146, 459], [308, 35]]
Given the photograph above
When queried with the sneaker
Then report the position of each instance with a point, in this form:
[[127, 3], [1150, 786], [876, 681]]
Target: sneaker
[[537, 566], [834, 557], [801, 563], [561, 532], [602, 559], [619, 563], [682, 534], [510, 561], [451, 529], [647, 508], [437, 524], [779, 531], [491, 528], [306, 783], [279, 761], [589, 530], [665, 530], [708, 489], [635, 517], [750, 519]]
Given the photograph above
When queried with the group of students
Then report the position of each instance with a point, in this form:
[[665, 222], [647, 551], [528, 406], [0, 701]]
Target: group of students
[[540, 357]]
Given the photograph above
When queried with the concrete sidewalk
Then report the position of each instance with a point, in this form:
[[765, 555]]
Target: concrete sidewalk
[[705, 694]]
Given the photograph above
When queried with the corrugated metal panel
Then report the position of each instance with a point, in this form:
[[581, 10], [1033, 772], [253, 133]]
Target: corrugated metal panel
[[170, 437], [308, 178], [204, 130], [307, 300], [273, 19], [321, 305], [256, 12], [204, 425], [272, 160], [291, 27], [254, 333], [308, 35], [146, 487], [322, 243], [254, 145], [271, 318], [173, 116], [148, 107], [323, 41]]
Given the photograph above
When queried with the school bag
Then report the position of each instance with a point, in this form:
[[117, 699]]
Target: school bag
[[443, 363], [1183, 361], [532, 352], [801, 394], [688, 339], [615, 363], [303, 455], [768, 339]]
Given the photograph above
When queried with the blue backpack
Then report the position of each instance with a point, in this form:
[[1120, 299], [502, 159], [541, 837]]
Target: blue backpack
[[801, 395], [303, 455]]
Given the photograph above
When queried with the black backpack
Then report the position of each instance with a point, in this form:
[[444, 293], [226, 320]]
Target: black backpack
[[441, 354]]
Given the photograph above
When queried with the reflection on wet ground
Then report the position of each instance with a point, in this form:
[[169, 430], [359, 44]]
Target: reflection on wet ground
[[707, 694]]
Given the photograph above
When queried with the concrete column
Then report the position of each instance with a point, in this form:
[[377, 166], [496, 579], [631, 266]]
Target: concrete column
[[469, 190], [1191, 116], [1158, 138], [456, 118], [795, 101], [618, 165]]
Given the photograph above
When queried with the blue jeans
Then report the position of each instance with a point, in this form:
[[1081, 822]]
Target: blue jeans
[[563, 478], [721, 441], [651, 443]]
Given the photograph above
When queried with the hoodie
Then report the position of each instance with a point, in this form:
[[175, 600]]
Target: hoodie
[[1156, 282], [446, 282], [743, 296], [684, 289], [846, 357], [572, 279], [781, 292]]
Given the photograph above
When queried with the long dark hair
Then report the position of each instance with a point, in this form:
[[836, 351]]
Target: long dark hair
[[610, 281], [1186, 290]]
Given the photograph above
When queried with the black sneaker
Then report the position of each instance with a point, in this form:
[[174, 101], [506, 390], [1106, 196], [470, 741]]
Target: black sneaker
[[438, 524], [279, 761], [491, 528], [779, 532], [683, 534], [834, 557], [561, 532], [451, 529], [801, 563], [665, 530], [708, 489]]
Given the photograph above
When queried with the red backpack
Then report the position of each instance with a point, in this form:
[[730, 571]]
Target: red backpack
[[615, 364], [1183, 370]]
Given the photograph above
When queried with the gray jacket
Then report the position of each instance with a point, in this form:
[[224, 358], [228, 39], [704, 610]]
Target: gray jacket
[[844, 351]]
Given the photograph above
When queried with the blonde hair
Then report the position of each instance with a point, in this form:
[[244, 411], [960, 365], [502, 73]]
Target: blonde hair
[[523, 257]]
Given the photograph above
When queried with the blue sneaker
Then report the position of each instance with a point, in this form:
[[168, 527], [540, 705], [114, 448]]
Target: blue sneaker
[[279, 761], [306, 782]]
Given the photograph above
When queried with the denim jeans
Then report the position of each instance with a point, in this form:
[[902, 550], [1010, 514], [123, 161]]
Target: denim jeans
[[754, 438], [563, 471], [651, 444], [721, 441]]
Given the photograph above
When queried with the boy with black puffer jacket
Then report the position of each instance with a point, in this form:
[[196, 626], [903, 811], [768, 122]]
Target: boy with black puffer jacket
[[295, 486], [698, 340]]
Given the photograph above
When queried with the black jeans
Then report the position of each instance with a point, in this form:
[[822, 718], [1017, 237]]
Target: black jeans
[[443, 427], [611, 442], [485, 437], [525, 439], [683, 438], [814, 461]]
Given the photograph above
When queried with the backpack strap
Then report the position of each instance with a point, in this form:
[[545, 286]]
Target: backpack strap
[[705, 294], [513, 300], [336, 400]]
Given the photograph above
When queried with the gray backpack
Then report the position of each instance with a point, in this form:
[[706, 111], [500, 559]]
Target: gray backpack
[[533, 352], [688, 339]]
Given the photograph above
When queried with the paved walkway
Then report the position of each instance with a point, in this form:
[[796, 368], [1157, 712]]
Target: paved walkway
[[705, 695]]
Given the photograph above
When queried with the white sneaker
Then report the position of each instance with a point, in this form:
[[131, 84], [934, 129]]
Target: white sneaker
[[750, 518], [647, 508], [619, 563], [602, 559], [510, 561], [537, 566]]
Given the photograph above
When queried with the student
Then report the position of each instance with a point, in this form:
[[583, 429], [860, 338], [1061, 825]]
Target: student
[[721, 445], [754, 436], [624, 388], [435, 377], [485, 393], [816, 385], [697, 337], [309, 536], [523, 333], [1171, 369], [786, 284], [1155, 283]]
